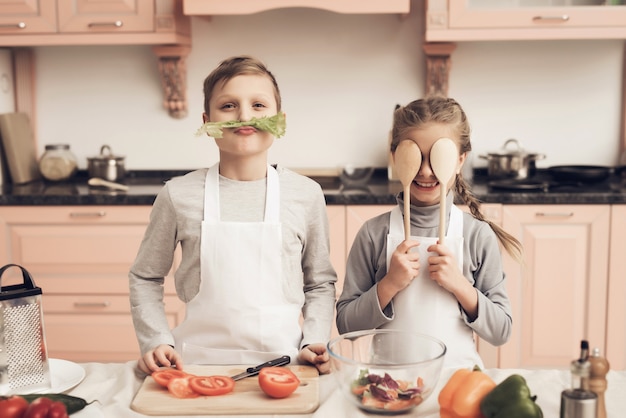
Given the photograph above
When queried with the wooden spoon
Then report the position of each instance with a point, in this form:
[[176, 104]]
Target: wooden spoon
[[407, 160], [443, 162]]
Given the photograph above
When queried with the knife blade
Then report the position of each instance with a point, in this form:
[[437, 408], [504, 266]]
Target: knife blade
[[253, 371]]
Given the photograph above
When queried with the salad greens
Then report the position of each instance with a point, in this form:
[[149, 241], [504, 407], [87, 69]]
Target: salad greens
[[276, 125]]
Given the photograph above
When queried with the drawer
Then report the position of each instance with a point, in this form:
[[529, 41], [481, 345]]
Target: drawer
[[96, 328]]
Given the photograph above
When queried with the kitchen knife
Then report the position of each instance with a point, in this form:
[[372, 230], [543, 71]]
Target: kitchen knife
[[253, 371]]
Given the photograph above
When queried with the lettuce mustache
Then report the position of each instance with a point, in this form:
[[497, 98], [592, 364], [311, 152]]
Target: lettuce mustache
[[276, 125]]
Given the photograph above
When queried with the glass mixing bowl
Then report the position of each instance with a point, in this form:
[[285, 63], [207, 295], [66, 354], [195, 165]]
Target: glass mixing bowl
[[386, 371]]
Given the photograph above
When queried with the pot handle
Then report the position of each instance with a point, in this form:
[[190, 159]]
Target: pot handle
[[513, 141], [105, 147]]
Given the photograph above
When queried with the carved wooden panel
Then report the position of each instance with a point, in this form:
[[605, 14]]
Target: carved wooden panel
[[438, 67]]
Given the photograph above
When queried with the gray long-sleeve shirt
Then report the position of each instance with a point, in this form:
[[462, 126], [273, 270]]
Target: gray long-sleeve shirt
[[358, 307], [176, 218]]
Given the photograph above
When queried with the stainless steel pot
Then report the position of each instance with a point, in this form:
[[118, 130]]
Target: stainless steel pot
[[512, 162], [106, 165]]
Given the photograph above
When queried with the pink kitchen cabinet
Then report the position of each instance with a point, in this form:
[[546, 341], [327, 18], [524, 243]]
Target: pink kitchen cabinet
[[228, 7], [85, 22], [491, 20], [80, 257], [559, 296], [616, 328]]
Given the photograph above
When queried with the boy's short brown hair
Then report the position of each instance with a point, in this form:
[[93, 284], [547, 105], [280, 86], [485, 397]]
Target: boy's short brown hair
[[232, 67]]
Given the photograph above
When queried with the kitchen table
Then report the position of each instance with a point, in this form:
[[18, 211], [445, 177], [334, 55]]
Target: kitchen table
[[115, 385]]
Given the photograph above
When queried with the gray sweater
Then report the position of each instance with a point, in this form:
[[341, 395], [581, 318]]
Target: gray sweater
[[358, 308], [176, 219]]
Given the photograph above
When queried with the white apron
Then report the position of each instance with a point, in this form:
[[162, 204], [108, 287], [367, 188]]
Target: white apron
[[240, 314], [426, 307]]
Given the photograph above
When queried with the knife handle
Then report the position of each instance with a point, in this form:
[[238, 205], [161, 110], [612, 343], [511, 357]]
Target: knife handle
[[281, 361]]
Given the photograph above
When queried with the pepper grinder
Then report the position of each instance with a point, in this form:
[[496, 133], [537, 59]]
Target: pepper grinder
[[579, 401], [597, 379]]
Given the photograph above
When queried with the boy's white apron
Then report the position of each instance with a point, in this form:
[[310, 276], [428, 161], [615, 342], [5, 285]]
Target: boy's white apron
[[426, 307], [240, 314]]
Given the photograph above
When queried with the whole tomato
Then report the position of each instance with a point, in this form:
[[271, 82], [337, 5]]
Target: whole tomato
[[38, 408], [13, 407], [57, 410]]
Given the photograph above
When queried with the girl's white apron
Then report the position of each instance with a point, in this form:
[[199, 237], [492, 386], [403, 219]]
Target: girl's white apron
[[426, 307], [240, 314]]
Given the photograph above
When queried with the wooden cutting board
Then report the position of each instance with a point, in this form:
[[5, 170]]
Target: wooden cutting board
[[246, 398]]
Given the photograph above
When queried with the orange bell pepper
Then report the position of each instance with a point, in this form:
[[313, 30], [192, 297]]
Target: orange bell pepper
[[461, 395]]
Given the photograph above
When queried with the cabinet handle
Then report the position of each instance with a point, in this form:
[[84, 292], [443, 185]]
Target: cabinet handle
[[99, 214], [117, 24], [555, 214], [20, 25], [562, 18], [92, 304]]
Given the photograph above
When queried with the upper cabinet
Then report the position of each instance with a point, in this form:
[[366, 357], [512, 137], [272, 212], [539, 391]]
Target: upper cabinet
[[229, 7], [485, 20], [91, 22]]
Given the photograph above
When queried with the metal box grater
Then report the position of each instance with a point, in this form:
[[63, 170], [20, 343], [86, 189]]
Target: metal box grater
[[23, 355]]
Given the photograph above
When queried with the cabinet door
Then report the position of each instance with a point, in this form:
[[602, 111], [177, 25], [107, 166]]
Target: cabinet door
[[552, 15], [106, 16], [24, 16], [97, 327], [559, 296], [615, 330]]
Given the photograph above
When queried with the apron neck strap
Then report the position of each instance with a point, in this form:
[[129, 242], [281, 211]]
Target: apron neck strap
[[455, 227], [212, 195]]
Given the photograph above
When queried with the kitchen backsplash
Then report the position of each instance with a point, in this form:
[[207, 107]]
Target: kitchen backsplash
[[340, 78]]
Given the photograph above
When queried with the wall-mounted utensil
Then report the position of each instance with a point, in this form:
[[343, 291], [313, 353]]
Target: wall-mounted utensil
[[407, 162], [443, 162]]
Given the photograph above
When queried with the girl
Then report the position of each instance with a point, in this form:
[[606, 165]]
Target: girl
[[446, 291], [254, 241]]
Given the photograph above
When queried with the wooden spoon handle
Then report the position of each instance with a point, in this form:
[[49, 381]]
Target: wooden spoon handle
[[442, 215], [407, 212]]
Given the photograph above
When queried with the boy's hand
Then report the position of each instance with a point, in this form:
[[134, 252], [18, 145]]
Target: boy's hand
[[162, 356], [316, 355]]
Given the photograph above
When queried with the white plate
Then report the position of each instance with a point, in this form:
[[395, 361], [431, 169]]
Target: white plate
[[64, 375]]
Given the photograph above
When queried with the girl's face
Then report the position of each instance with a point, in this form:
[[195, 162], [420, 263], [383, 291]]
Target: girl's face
[[425, 189], [242, 98]]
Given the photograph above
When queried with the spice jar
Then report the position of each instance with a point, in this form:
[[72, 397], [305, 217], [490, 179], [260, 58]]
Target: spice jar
[[58, 163]]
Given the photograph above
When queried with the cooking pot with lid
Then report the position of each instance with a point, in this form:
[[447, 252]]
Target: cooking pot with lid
[[106, 165], [512, 162]]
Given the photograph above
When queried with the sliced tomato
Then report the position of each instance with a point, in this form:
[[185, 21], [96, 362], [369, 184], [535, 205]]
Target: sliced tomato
[[212, 385], [278, 382], [180, 388], [163, 376]]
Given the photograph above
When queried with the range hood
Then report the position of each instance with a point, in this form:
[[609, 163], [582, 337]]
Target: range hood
[[241, 7]]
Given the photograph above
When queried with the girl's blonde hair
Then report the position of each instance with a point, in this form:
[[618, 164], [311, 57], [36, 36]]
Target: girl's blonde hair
[[445, 110]]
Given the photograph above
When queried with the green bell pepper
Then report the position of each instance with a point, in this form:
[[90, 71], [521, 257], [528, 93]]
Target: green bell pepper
[[510, 399]]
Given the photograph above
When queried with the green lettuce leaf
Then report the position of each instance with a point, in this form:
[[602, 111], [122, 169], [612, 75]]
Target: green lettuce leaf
[[276, 125]]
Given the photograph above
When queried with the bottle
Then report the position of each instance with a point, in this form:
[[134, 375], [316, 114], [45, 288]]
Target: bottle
[[579, 401], [58, 163]]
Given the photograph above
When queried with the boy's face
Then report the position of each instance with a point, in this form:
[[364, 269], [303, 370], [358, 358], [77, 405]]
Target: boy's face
[[242, 98], [425, 190]]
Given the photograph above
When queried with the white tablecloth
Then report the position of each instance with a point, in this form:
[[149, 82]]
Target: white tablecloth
[[114, 387]]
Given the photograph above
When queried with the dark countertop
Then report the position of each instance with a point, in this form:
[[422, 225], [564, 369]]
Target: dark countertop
[[144, 186]]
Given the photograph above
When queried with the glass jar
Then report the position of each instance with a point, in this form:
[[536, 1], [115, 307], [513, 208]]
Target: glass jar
[[58, 163]]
